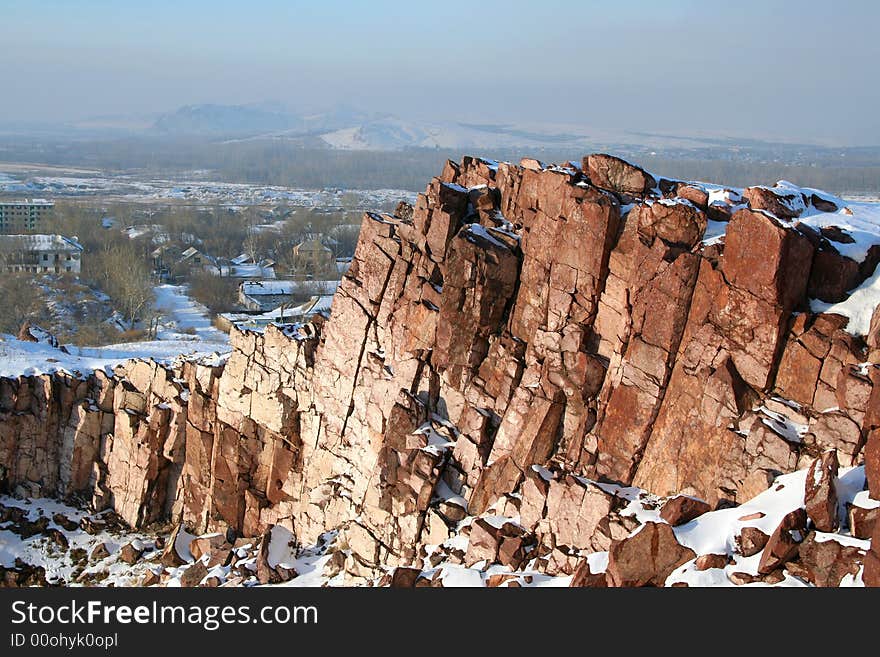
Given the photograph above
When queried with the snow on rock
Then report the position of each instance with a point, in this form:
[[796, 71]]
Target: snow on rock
[[858, 307]]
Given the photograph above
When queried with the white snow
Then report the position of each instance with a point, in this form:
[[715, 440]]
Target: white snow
[[231, 195], [281, 547], [181, 545], [31, 359], [864, 500], [783, 426], [715, 532], [38, 551], [858, 307], [185, 331], [181, 313]]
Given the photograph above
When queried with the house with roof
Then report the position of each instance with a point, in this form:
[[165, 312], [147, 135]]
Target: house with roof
[[40, 254], [192, 257], [268, 294], [313, 256], [291, 313]]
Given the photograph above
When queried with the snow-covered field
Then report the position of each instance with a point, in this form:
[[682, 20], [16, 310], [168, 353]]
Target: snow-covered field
[[185, 331], [130, 188], [68, 558]]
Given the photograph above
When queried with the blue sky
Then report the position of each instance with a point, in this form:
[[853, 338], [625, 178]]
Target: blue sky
[[770, 69]]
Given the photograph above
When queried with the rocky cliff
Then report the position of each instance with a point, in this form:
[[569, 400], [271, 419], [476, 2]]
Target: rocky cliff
[[526, 342]]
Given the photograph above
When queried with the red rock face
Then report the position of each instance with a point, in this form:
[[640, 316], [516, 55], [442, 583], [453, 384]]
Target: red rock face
[[782, 203], [872, 463], [826, 563], [674, 223], [778, 271], [584, 578], [519, 333]]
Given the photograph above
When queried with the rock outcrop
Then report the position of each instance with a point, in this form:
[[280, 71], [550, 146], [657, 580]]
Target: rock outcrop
[[518, 337]]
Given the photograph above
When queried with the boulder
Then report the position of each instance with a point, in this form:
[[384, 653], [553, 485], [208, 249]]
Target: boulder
[[861, 521], [682, 509], [707, 561], [208, 544], [750, 541], [130, 553], [784, 542], [617, 175], [820, 492], [150, 578], [647, 558], [404, 577], [675, 223], [584, 578], [170, 556], [826, 563], [193, 575], [785, 204], [99, 552], [494, 544]]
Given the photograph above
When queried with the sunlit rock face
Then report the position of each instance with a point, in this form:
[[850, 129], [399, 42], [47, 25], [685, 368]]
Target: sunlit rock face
[[520, 336]]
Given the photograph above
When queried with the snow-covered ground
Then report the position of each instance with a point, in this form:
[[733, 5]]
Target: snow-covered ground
[[131, 188], [32, 358], [185, 331], [183, 318], [714, 532], [64, 560]]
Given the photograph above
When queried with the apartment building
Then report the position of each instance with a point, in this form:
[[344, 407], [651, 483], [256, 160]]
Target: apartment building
[[20, 216]]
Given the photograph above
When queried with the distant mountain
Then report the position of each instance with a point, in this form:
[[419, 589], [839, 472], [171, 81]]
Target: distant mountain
[[265, 119], [391, 133], [348, 128], [224, 120]]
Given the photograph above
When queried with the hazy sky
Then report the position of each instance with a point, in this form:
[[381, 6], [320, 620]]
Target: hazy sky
[[773, 69]]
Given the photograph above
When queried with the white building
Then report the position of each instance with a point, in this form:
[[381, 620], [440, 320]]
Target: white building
[[40, 254]]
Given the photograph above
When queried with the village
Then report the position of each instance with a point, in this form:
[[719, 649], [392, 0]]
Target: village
[[97, 272]]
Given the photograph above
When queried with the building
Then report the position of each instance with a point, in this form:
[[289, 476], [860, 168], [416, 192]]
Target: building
[[40, 254], [19, 216], [313, 257], [264, 295], [284, 314], [192, 257], [265, 269]]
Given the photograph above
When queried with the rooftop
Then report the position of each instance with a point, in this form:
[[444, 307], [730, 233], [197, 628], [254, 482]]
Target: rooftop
[[26, 201], [40, 242]]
